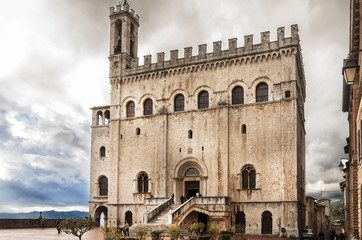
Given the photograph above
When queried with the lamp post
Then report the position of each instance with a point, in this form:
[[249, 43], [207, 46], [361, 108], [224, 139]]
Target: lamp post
[[349, 70]]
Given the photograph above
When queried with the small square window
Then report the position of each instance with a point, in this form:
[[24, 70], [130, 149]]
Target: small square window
[[287, 94]]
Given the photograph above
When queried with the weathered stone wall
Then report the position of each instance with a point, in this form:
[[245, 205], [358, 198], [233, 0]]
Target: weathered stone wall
[[26, 223]]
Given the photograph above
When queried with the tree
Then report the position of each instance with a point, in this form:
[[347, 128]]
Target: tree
[[77, 227]]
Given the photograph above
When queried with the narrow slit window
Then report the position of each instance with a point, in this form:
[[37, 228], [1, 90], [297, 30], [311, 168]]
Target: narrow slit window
[[190, 134]]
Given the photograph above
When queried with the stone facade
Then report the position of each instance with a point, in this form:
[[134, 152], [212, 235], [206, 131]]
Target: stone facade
[[352, 86], [223, 128]]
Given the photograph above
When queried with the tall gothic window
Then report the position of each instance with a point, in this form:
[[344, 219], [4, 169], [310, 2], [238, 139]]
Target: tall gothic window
[[248, 177], [130, 109], [106, 117], [179, 103], [262, 92], [99, 118], [237, 95], [103, 186], [203, 100], [147, 107], [142, 181]]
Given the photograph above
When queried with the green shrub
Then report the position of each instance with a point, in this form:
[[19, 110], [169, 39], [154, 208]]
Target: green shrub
[[213, 231], [156, 235], [77, 227], [240, 228], [174, 231], [226, 235], [197, 227], [141, 232], [112, 233]]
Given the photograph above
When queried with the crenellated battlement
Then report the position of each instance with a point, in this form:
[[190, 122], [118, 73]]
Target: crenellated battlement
[[123, 7], [249, 48]]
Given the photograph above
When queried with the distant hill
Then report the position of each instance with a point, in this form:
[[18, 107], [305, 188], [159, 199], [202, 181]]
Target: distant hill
[[47, 214]]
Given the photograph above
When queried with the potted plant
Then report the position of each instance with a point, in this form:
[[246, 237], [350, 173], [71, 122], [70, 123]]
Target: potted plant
[[174, 231]]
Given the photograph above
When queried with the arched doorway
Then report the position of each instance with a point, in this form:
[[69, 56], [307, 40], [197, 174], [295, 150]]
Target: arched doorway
[[102, 210], [266, 223], [240, 222], [190, 179], [128, 218]]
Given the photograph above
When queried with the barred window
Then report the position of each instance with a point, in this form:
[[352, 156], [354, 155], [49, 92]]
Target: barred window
[[130, 109], [103, 186], [262, 92], [203, 100], [147, 107], [237, 95], [179, 103]]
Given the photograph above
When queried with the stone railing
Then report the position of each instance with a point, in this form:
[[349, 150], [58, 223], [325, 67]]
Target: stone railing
[[155, 211], [205, 202], [155, 201]]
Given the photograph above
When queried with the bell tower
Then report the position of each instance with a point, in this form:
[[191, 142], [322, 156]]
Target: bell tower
[[123, 39]]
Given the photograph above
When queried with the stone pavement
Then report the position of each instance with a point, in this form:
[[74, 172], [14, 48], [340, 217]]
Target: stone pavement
[[95, 234]]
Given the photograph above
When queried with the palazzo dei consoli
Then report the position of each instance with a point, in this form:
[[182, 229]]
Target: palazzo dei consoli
[[221, 131]]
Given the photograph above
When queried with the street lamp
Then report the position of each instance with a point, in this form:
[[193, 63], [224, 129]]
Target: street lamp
[[341, 166], [349, 70]]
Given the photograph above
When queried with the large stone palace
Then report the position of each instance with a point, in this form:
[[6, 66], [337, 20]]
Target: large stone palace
[[222, 132]]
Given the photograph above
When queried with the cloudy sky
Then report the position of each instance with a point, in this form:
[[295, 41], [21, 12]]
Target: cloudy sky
[[54, 67]]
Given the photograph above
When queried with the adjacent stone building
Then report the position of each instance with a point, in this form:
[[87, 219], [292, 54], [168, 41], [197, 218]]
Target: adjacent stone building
[[222, 131], [352, 89]]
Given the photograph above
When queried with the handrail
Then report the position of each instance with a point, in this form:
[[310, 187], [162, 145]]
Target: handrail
[[198, 201], [155, 211]]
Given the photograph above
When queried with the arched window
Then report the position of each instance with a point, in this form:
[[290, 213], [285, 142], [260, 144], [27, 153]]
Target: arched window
[[102, 151], [243, 129], [147, 107], [190, 134], [99, 118], [118, 43], [106, 117], [103, 186], [262, 92], [248, 177], [192, 172], [131, 50], [179, 103], [203, 100], [138, 131], [237, 95], [240, 222], [130, 109], [266, 223], [142, 183]]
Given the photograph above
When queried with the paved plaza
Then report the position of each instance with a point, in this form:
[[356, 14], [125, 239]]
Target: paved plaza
[[95, 234]]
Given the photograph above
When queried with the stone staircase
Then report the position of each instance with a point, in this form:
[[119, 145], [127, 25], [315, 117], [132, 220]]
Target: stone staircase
[[163, 217], [161, 222]]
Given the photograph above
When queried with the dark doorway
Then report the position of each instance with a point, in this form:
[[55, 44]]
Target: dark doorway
[[266, 223], [204, 219], [128, 218], [240, 222], [191, 188]]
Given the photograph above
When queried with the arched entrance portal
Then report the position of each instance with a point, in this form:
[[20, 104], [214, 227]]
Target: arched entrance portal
[[128, 218], [190, 179], [101, 210], [266, 223]]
